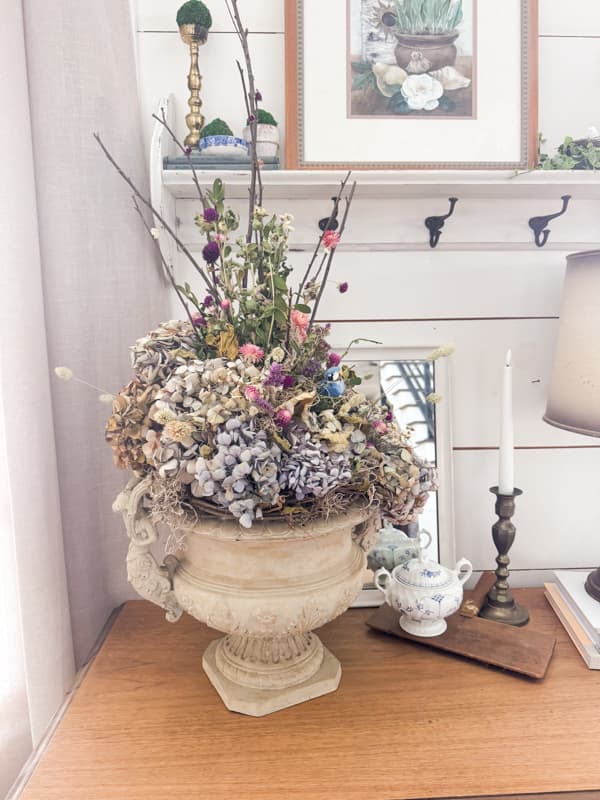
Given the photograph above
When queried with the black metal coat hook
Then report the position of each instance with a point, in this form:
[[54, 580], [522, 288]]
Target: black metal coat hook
[[539, 224], [435, 224], [331, 223]]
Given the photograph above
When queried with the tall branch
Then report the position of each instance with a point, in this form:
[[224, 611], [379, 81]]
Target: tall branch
[[168, 270], [186, 152], [331, 255], [332, 216], [158, 216]]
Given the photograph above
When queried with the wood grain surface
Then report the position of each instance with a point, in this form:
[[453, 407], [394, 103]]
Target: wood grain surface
[[406, 722]]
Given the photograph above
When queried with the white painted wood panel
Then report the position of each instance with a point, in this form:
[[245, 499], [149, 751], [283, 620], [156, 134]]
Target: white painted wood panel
[[568, 67], [557, 518], [500, 222], [436, 285], [164, 64], [576, 18], [264, 16]]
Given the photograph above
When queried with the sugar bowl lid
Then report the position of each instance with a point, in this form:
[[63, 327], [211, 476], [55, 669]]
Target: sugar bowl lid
[[423, 573]]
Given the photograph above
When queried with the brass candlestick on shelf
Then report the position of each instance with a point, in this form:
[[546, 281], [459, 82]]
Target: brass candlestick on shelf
[[194, 35], [500, 605]]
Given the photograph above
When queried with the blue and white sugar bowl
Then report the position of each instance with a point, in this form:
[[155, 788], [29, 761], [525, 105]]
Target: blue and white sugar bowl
[[394, 547], [424, 593]]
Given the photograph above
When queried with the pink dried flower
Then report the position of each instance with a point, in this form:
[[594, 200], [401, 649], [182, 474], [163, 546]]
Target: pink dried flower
[[283, 417], [343, 287], [330, 240], [300, 323], [252, 353], [198, 320], [251, 393], [333, 359], [225, 304], [380, 427]]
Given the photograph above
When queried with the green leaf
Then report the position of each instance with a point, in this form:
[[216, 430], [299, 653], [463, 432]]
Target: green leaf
[[280, 283], [301, 307]]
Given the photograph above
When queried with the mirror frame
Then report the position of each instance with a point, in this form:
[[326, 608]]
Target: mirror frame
[[370, 596]]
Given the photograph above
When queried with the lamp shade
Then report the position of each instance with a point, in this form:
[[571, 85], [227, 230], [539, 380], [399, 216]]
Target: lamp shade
[[574, 397]]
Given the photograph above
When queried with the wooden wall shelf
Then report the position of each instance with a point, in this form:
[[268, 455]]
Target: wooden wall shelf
[[406, 722], [382, 184]]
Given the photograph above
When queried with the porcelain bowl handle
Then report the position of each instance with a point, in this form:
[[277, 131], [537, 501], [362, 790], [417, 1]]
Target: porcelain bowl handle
[[464, 570], [382, 579]]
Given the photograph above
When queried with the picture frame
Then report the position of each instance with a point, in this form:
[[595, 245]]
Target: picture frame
[[463, 101]]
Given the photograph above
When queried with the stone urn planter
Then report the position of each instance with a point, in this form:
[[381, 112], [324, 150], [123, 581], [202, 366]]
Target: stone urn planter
[[424, 52], [266, 588]]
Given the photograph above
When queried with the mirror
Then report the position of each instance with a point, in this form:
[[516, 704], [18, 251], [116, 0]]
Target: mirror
[[403, 384]]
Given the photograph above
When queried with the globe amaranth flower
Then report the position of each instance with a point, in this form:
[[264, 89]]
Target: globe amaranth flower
[[208, 301], [198, 320], [289, 381], [333, 360], [252, 353], [380, 427], [225, 304], [211, 252], [210, 215], [283, 417], [330, 240], [257, 96], [343, 287]]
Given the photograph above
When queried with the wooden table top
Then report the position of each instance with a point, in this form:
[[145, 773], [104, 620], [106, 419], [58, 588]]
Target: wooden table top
[[406, 722]]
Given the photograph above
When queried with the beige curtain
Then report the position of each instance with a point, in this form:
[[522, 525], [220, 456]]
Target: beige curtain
[[79, 283]]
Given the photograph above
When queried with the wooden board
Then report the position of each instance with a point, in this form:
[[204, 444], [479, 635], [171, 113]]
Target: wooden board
[[520, 650], [406, 722]]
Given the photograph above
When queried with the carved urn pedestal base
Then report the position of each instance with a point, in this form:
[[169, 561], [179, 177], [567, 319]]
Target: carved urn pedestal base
[[269, 675], [266, 588]]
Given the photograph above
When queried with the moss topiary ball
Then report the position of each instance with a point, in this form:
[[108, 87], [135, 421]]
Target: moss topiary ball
[[194, 13], [216, 128], [264, 118]]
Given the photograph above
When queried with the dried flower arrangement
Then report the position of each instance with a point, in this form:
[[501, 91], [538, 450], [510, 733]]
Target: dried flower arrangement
[[243, 409]]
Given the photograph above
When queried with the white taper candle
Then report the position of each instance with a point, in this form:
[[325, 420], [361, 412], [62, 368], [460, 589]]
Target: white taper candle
[[506, 479]]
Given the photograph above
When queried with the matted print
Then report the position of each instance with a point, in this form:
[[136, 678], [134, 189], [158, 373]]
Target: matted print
[[412, 58]]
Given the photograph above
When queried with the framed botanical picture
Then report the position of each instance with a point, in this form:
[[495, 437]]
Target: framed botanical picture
[[411, 84]]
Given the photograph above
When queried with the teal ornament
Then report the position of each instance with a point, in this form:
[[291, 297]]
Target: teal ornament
[[394, 547]]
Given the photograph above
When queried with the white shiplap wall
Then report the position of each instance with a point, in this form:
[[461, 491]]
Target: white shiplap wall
[[486, 288]]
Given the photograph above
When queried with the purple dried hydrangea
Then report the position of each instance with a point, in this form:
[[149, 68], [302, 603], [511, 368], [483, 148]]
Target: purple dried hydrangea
[[275, 376], [310, 470]]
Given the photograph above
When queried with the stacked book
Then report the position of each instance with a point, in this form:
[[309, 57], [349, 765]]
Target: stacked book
[[202, 162], [578, 612]]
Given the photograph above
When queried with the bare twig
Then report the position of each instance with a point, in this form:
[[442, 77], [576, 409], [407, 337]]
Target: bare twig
[[315, 254], [158, 216], [331, 255], [168, 269], [186, 152]]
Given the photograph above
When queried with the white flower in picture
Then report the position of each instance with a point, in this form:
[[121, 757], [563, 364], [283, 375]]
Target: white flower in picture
[[422, 92]]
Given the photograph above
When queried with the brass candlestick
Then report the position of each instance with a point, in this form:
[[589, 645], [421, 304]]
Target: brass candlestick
[[500, 605], [194, 35]]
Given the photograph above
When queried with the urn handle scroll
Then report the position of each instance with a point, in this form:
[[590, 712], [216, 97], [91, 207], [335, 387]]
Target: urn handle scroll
[[150, 581]]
